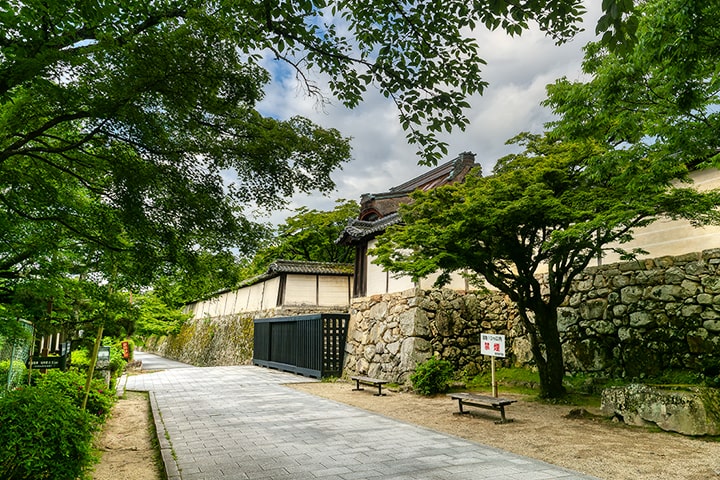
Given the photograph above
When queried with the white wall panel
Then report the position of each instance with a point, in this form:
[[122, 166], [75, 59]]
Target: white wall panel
[[255, 297], [270, 294], [334, 291], [301, 290]]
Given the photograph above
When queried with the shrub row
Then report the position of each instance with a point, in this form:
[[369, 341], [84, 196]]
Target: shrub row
[[43, 429]]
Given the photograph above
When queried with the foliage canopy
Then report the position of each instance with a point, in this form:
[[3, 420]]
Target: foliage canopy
[[659, 100], [121, 122], [310, 236]]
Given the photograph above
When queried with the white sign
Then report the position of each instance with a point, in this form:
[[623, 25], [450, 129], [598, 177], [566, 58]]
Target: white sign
[[493, 345]]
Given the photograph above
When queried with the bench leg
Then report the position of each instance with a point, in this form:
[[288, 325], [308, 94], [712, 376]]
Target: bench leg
[[357, 386], [502, 415], [460, 407], [379, 393]]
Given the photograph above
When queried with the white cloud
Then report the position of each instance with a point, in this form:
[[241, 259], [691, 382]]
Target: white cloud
[[518, 70]]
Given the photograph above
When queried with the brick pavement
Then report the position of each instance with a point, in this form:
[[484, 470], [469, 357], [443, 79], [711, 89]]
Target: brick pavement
[[238, 423]]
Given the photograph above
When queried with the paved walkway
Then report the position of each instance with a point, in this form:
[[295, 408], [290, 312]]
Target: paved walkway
[[232, 423]]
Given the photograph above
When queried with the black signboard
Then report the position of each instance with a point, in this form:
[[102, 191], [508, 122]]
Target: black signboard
[[48, 362]]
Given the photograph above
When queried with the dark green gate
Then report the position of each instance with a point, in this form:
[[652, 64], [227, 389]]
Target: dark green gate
[[310, 345]]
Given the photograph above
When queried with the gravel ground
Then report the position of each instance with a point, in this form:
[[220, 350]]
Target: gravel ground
[[587, 442]]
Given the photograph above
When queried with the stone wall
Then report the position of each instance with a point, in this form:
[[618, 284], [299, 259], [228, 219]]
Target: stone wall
[[222, 340], [627, 319], [643, 317], [390, 334]]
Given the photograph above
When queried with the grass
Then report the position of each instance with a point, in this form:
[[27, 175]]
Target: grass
[[513, 380], [584, 389]]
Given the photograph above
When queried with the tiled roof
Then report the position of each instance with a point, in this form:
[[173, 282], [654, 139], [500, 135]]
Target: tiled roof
[[300, 267], [292, 266], [311, 268], [441, 175], [359, 229], [385, 205]]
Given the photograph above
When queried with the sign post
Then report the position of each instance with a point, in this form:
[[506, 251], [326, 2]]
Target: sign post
[[103, 358], [494, 346]]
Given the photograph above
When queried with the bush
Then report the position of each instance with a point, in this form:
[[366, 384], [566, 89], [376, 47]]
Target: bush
[[432, 377], [117, 362], [116, 366], [72, 385], [44, 436], [80, 359]]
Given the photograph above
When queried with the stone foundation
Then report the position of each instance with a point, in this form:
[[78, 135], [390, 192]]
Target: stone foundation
[[627, 320], [390, 334]]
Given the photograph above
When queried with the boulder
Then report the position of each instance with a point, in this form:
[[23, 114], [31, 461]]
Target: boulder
[[694, 411]]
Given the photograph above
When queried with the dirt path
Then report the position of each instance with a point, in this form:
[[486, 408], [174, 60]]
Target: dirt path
[[588, 444], [127, 444]]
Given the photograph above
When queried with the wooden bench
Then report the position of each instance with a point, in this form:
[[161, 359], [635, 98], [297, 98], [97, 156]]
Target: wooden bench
[[376, 382], [482, 401]]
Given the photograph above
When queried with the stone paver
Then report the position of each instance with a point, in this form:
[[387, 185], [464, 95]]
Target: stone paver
[[240, 423]]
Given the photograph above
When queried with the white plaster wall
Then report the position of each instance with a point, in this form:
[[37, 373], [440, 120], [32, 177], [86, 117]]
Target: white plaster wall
[[255, 297], [676, 237], [398, 283], [380, 282], [270, 293], [241, 300], [377, 278], [334, 291], [300, 290], [457, 282]]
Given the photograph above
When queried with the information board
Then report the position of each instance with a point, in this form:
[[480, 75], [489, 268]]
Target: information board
[[492, 345]]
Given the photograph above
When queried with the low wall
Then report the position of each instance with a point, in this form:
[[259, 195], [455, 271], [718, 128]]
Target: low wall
[[627, 319]]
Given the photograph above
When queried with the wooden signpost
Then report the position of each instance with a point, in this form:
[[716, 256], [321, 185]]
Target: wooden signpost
[[494, 346]]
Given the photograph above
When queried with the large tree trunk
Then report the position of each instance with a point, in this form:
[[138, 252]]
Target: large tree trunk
[[547, 350]]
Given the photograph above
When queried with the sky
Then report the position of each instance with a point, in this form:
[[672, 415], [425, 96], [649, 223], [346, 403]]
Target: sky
[[518, 70]]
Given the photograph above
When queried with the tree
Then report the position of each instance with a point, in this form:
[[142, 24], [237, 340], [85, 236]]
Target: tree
[[656, 100], [119, 121], [542, 211], [155, 317], [309, 236], [117, 124], [412, 52], [209, 274]]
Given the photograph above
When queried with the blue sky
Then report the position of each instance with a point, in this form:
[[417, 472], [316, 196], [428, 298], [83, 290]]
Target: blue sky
[[518, 69]]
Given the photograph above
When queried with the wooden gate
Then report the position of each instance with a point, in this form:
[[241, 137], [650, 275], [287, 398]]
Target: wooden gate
[[310, 345]]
